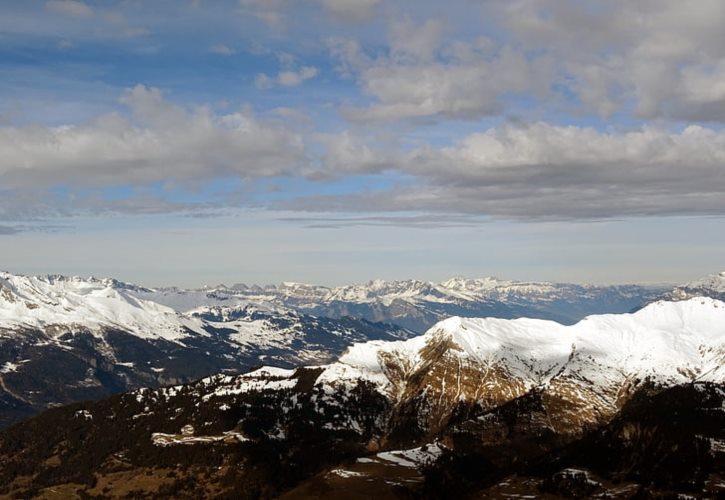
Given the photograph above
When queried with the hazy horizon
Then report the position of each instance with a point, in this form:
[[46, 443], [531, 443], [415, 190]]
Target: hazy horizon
[[436, 280]]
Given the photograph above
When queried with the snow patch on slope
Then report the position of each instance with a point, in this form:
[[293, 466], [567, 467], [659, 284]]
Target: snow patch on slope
[[41, 302], [709, 286], [671, 342]]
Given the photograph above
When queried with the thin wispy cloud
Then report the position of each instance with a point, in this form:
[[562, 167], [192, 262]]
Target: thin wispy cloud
[[286, 78], [222, 50], [73, 8]]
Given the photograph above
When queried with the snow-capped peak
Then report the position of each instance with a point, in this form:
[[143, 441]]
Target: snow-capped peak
[[412, 304], [665, 341], [40, 302], [714, 282], [712, 285], [462, 283]]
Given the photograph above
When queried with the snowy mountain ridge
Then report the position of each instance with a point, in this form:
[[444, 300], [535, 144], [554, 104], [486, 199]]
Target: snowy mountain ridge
[[584, 372], [712, 285], [375, 290], [61, 302], [502, 395], [669, 342], [448, 291], [412, 304], [65, 339]]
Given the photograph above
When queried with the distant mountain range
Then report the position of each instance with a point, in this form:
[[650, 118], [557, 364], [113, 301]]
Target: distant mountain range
[[417, 305], [71, 339], [615, 406], [65, 339]]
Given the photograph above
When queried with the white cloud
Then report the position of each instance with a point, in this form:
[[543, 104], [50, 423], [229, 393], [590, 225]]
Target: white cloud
[[538, 171], [647, 153], [135, 32], [294, 78], [650, 59], [543, 171], [286, 78], [65, 44], [346, 153], [272, 12], [559, 60], [73, 8], [275, 12], [162, 142], [656, 58], [351, 10], [468, 81], [222, 50], [262, 81], [417, 41]]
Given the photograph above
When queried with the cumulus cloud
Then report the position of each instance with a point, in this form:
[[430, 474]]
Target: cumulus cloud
[[515, 171], [421, 78], [160, 141], [346, 153], [651, 59], [419, 42], [659, 61], [656, 58], [72, 8], [550, 172], [286, 78]]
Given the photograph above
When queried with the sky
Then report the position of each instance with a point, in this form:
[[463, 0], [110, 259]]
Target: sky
[[333, 141]]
